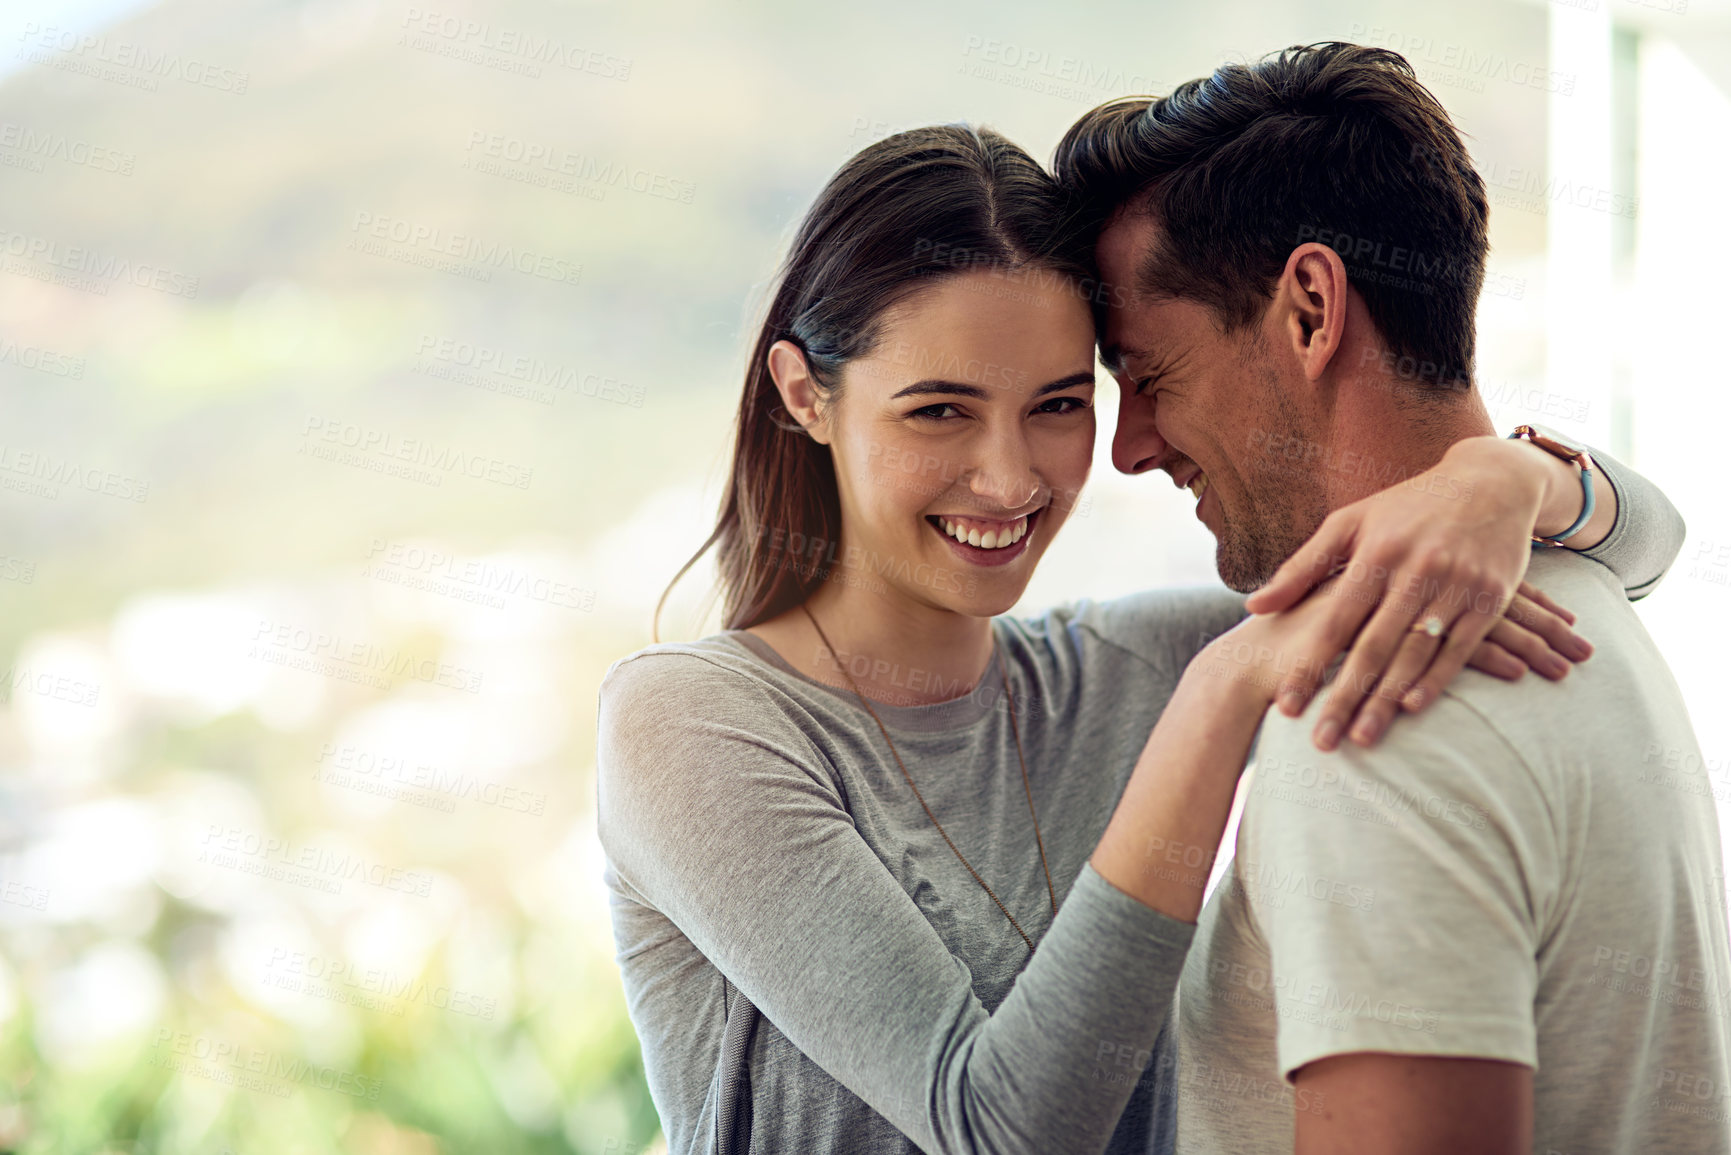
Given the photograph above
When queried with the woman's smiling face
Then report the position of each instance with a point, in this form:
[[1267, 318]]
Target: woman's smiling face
[[962, 442]]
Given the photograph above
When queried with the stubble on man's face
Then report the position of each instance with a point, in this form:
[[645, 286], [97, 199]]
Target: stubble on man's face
[[1221, 405], [1283, 503]]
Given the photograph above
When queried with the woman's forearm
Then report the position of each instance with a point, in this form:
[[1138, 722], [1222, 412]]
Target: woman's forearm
[[1557, 481], [1160, 844]]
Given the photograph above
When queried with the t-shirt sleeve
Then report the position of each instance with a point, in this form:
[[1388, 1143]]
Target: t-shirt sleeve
[[718, 810], [1164, 627], [1647, 535], [1399, 890]]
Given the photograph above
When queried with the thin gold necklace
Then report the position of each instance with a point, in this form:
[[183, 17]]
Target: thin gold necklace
[[1015, 730]]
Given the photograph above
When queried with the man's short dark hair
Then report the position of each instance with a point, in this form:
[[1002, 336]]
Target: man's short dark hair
[[1334, 143]]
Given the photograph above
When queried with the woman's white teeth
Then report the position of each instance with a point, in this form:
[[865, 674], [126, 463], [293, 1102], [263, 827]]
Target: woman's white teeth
[[992, 538], [1199, 484]]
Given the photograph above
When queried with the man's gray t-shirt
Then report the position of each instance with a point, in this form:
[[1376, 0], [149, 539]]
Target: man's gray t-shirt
[[1529, 872], [756, 826]]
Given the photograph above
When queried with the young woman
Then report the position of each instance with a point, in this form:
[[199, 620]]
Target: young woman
[[836, 831]]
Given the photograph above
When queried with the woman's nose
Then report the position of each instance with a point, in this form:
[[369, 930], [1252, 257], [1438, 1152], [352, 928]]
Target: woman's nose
[[1007, 477]]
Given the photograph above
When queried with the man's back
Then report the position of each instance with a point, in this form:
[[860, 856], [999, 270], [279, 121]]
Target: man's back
[[1528, 872]]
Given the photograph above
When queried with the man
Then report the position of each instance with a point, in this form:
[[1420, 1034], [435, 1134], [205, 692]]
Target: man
[[1504, 928]]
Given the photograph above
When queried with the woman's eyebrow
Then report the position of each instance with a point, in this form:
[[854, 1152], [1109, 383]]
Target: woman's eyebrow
[[1071, 381], [932, 385], [960, 389]]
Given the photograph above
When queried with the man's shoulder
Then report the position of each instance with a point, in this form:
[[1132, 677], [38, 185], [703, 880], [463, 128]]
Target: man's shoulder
[[1590, 591], [1488, 748], [1451, 761], [1591, 702], [1482, 713]]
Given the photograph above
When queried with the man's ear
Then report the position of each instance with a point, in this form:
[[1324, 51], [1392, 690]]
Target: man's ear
[[1311, 296], [799, 394]]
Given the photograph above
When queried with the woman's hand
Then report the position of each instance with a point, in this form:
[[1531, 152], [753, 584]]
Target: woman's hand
[[1449, 544], [1263, 656], [1162, 838]]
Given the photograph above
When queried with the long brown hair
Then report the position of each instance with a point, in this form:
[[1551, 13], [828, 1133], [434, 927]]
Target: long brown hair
[[902, 214]]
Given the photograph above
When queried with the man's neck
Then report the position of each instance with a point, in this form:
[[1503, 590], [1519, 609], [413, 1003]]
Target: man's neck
[[1385, 430]]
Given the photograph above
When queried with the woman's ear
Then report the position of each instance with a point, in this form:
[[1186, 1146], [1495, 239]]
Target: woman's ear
[[799, 395]]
